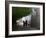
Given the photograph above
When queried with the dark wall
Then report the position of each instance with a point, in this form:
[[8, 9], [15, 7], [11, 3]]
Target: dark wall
[[35, 22]]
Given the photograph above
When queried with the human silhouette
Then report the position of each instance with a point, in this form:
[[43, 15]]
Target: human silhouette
[[25, 23]]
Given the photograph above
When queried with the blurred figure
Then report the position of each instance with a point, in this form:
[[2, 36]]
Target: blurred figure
[[25, 23]]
